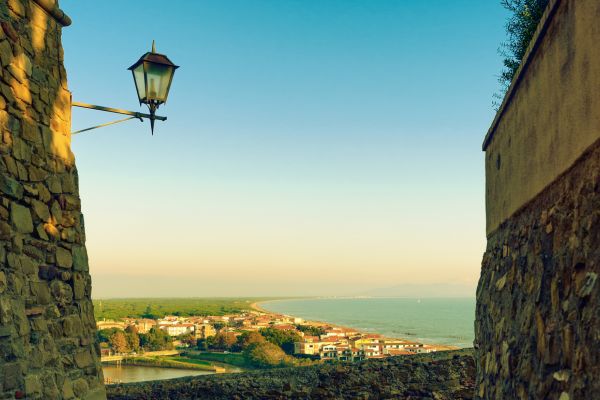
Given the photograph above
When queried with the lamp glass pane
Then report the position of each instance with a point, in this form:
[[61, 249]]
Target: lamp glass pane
[[158, 76], [140, 85]]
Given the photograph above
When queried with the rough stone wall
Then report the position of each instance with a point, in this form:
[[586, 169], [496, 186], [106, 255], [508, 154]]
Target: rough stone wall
[[439, 376], [47, 328], [537, 329], [538, 300]]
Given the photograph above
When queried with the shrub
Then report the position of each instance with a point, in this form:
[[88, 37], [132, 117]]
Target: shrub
[[520, 27]]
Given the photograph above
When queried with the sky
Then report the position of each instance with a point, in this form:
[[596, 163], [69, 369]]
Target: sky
[[311, 148]]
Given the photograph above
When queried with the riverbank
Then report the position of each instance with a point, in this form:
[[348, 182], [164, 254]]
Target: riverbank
[[169, 362], [121, 374]]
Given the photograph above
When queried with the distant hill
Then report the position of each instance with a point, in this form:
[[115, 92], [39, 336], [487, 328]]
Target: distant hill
[[423, 290]]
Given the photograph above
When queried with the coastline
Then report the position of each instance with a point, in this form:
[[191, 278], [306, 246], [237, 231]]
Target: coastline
[[257, 306]]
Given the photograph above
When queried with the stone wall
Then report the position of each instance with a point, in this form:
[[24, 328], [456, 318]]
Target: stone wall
[[538, 300], [439, 376], [47, 328]]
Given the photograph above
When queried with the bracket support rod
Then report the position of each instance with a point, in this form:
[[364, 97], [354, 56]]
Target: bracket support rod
[[134, 114], [103, 125]]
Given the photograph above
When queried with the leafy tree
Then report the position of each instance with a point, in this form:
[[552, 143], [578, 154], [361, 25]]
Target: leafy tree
[[247, 339], [148, 313], [156, 339], [311, 330], [105, 334], [133, 339], [266, 355], [118, 342], [520, 27], [189, 339], [224, 340], [283, 339], [202, 344], [219, 325]]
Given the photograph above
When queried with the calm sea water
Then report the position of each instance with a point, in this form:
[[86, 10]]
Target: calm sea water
[[132, 373], [439, 321]]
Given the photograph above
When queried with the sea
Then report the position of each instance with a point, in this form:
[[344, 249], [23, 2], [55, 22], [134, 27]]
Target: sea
[[445, 321]]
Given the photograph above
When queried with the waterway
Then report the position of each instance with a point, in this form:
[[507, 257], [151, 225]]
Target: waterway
[[133, 373]]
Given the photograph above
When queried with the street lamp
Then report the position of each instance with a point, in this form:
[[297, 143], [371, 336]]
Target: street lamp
[[152, 74]]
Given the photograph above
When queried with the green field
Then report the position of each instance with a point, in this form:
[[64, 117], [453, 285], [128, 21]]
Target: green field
[[235, 359], [190, 360], [159, 307]]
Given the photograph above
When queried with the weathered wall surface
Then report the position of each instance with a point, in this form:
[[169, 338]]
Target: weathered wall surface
[[538, 300], [47, 328], [440, 376], [551, 115]]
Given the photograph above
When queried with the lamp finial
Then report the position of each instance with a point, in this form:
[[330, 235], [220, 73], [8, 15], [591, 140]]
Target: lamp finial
[[153, 47]]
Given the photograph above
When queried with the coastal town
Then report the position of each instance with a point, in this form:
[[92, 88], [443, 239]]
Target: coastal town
[[309, 340]]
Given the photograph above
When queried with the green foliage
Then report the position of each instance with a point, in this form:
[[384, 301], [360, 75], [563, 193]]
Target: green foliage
[[248, 338], [158, 308], [105, 334], [202, 344], [190, 360], [223, 341], [520, 27], [219, 325], [283, 339], [189, 339], [118, 342], [156, 339], [235, 359], [266, 355], [311, 330], [132, 337]]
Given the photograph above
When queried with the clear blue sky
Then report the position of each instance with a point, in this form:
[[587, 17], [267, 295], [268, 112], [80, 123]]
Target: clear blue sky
[[312, 147]]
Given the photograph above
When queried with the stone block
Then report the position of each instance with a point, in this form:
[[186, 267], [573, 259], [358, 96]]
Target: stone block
[[21, 218], [11, 187], [5, 231], [72, 326], [62, 293], [63, 258], [80, 258], [51, 231], [12, 373], [78, 286], [80, 387], [31, 132], [84, 359], [67, 390], [3, 282], [33, 385], [6, 54], [41, 291]]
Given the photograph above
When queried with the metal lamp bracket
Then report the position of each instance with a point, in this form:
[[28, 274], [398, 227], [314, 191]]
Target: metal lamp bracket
[[132, 115]]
